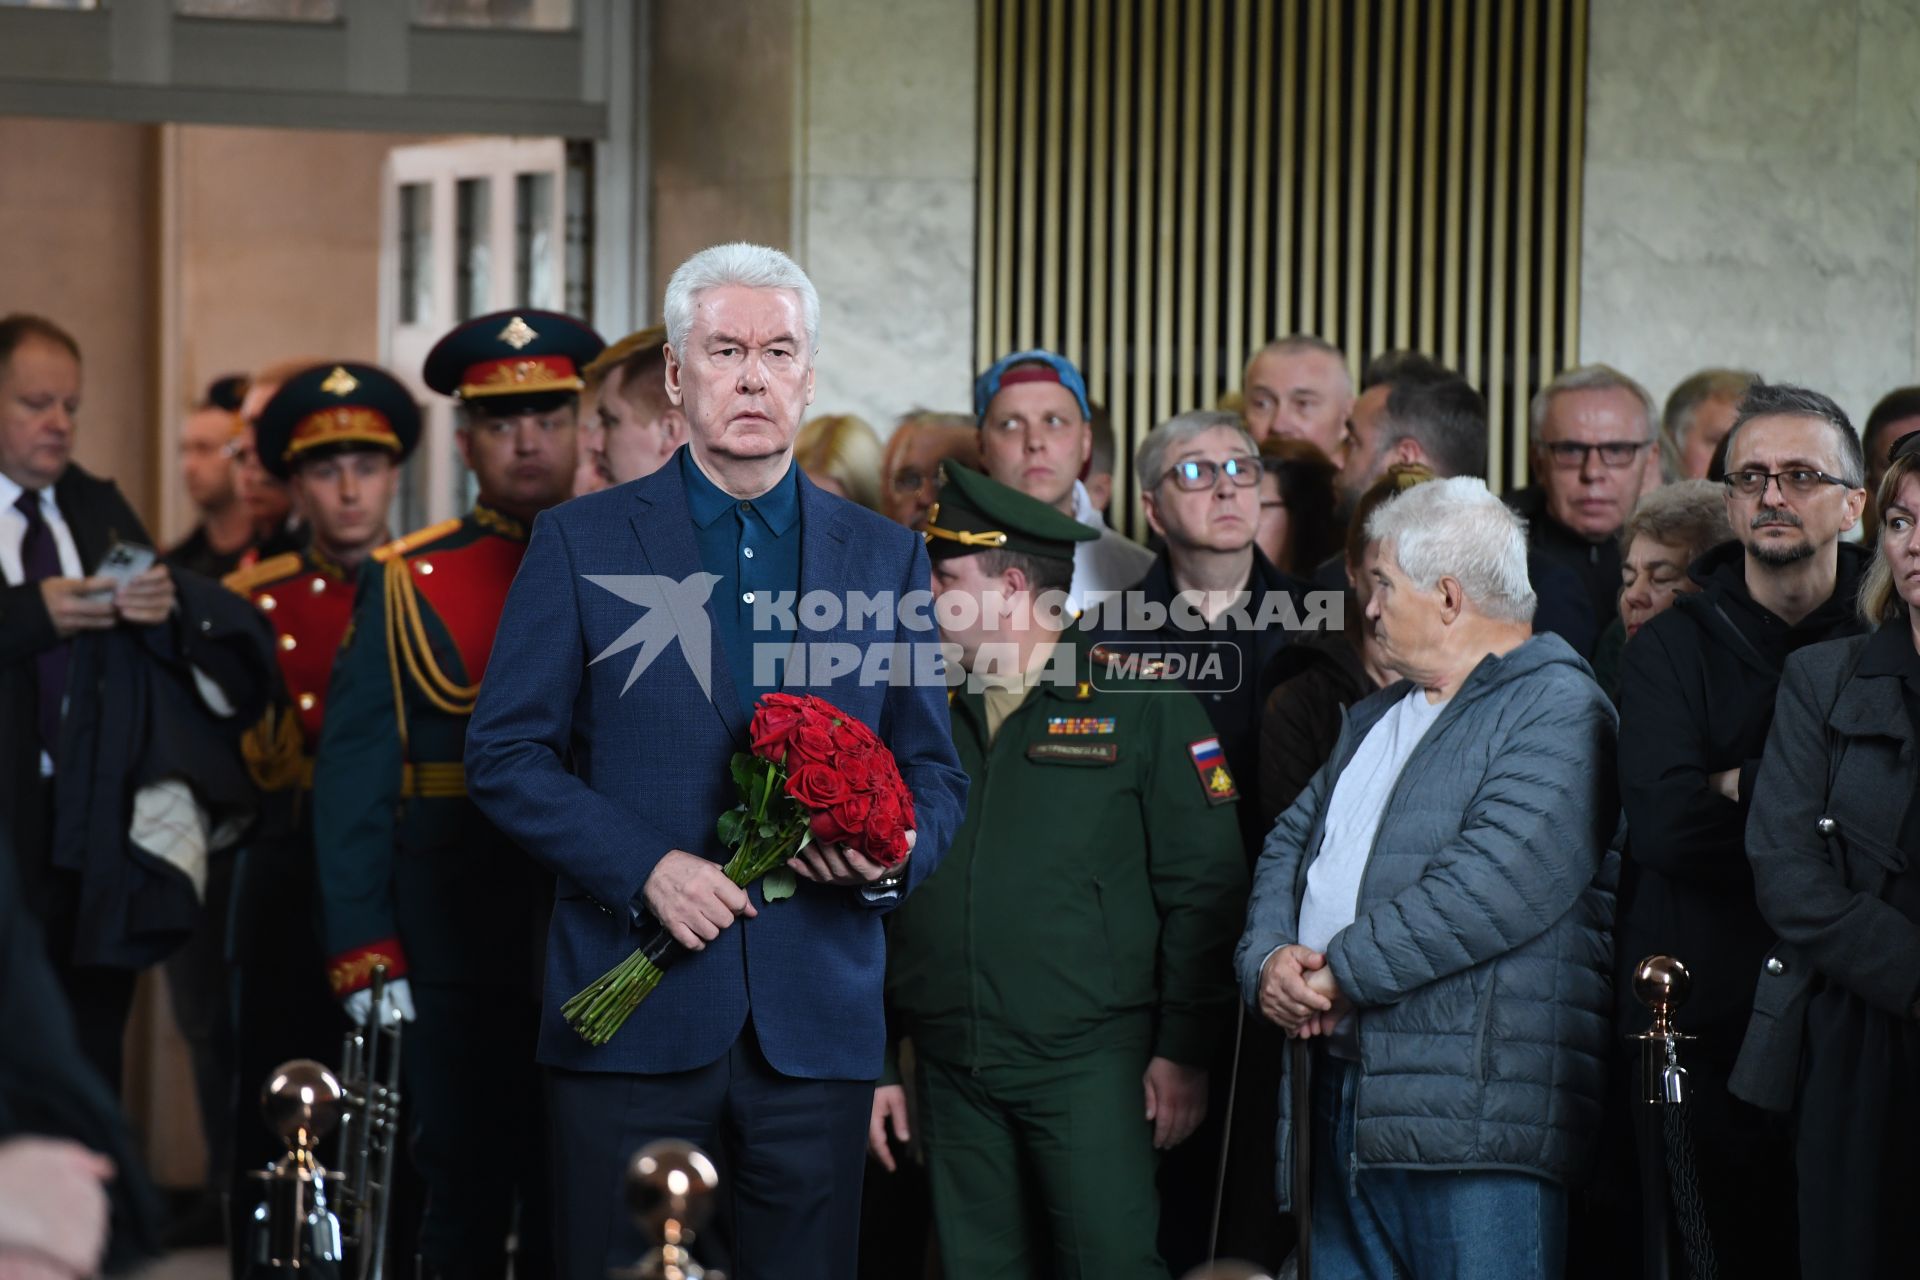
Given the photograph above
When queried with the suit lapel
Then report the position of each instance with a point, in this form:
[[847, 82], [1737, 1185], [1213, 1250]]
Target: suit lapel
[[664, 528], [823, 536], [91, 537]]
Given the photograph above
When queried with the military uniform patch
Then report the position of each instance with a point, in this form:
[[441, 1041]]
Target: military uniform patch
[[1074, 752], [1078, 725], [1211, 764]]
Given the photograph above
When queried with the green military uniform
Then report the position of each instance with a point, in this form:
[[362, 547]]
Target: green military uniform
[[1081, 924]]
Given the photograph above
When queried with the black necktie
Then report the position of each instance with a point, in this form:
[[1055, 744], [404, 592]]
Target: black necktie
[[40, 560]]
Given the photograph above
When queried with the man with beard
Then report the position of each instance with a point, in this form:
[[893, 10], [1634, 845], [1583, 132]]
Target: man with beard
[[1696, 701]]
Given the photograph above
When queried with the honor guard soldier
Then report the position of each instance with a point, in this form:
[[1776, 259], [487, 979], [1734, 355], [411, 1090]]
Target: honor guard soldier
[[1064, 975], [337, 435], [411, 875]]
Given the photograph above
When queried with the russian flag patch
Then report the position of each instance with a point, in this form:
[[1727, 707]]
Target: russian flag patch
[[1210, 762]]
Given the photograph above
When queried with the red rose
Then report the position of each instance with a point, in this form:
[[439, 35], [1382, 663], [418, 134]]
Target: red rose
[[774, 723], [851, 815], [825, 829], [858, 770], [811, 742], [816, 786]]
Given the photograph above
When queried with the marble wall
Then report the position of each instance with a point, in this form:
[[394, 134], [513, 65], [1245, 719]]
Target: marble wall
[[1753, 191], [887, 203], [843, 132]]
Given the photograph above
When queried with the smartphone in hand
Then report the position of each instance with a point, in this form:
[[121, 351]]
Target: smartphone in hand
[[124, 562]]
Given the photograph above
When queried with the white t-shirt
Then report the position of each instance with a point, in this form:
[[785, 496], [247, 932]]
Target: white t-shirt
[[1359, 798]]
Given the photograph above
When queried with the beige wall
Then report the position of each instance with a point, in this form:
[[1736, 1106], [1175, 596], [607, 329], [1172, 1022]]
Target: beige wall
[[77, 245]]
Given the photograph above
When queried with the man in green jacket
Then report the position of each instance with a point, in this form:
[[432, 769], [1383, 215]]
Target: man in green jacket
[[1065, 973]]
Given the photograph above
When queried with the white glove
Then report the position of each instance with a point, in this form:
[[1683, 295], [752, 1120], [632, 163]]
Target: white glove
[[399, 1004]]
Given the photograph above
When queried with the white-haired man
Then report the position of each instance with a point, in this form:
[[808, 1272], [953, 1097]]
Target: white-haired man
[[762, 1042], [1593, 439], [1433, 912]]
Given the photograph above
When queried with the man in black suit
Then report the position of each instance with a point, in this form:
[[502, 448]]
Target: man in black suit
[[56, 524]]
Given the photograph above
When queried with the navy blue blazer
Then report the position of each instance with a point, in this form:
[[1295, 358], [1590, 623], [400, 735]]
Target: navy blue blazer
[[598, 780]]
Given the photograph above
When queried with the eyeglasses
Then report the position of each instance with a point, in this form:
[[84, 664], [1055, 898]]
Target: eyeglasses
[[1571, 455], [1196, 474], [1797, 483], [910, 479]]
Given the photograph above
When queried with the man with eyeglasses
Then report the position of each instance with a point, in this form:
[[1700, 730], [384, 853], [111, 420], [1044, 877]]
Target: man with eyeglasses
[[1593, 432], [920, 442], [1036, 436], [1696, 701], [412, 875], [1199, 479]]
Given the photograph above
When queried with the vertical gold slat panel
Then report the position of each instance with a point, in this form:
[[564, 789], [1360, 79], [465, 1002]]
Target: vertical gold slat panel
[[1333, 159], [1097, 254], [1523, 231], [1026, 316], [1184, 330], [1141, 344], [1076, 268], [1355, 162], [1474, 342], [1380, 240], [1238, 277], [1307, 315], [985, 302], [1550, 178], [1576, 160], [1409, 167], [1055, 70], [1266, 39], [1119, 403], [1428, 334], [1163, 236], [1003, 247], [1496, 388], [1456, 241], [1208, 266]]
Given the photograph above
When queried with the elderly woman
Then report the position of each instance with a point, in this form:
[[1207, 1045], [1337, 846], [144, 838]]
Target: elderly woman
[[842, 455], [1834, 839], [1671, 527], [1433, 912]]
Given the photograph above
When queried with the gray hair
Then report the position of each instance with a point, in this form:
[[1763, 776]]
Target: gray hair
[[1689, 514], [1783, 400], [1295, 344], [1456, 528], [1695, 390], [1151, 460], [750, 266], [1589, 377]]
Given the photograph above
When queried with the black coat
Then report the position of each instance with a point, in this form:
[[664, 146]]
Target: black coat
[[1696, 697], [47, 1086], [98, 517], [1575, 578], [1827, 829], [1314, 680]]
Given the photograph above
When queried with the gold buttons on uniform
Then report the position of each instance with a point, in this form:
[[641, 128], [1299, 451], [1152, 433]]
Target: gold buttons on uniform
[[424, 566], [267, 604], [306, 701], [288, 642], [318, 584]]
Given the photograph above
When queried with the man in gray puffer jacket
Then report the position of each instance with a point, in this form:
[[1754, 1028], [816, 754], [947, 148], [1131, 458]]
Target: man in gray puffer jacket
[[1434, 911]]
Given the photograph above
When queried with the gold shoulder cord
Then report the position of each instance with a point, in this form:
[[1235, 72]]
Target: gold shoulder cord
[[407, 642]]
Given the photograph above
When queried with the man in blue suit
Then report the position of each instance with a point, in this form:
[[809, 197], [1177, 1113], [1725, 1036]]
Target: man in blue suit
[[763, 1043]]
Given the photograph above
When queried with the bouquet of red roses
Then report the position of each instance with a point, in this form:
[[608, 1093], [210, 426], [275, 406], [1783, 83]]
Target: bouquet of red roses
[[815, 773]]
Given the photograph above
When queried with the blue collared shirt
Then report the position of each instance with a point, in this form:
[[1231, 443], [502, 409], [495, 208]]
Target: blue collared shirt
[[753, 547]]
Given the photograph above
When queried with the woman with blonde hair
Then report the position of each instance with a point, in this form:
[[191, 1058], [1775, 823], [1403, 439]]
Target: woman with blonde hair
[[841, 454]]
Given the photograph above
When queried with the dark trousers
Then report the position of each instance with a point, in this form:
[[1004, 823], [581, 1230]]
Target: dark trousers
[[101, 998], [791, 1155], [197, 984]]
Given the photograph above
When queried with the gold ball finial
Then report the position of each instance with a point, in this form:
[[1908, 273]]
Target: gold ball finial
[[301, 1103], [670, 1186], [1661, 983]]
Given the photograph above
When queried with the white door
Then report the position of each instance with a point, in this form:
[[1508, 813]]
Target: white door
[[468, 227]]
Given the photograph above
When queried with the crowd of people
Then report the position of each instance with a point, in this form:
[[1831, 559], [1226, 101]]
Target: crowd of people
[[1276, 879]]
